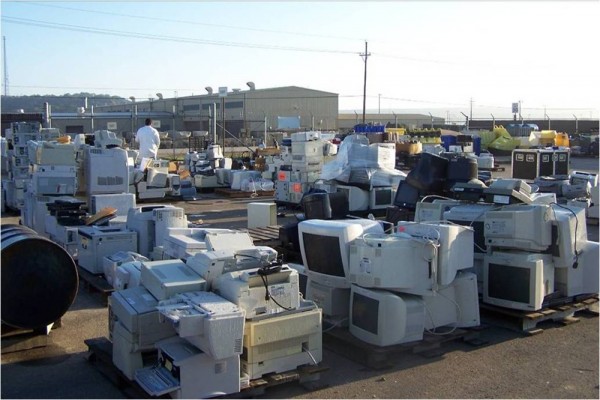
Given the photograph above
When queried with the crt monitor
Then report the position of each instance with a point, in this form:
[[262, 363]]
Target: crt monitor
[[383, 318], [454, 246], [519, 226], [400, 263], [569, 235], [472, 215], [325, 205], [407, 195], [324, 246], [316, 206], [517, 280]]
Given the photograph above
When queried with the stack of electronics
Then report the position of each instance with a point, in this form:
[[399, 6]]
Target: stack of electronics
[[53, 176], [19, 168], [206, 327], [526, 255], [134, 323], [209, 168], [364, 172], [390, 288], [439, 175], [591, 203], [395, 302], [62, 220], [297, 177], [157, 181], [537, 253]]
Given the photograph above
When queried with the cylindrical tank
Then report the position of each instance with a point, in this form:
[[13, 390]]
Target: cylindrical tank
[[429, 173], [39, 278], [460, 168]]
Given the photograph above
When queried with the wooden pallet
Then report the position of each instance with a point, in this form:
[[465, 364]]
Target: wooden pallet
[[495, 168], [341, 341], [17, 339], [527, 321], [265, 236], [100, 355], [238, 194], [95, 283]]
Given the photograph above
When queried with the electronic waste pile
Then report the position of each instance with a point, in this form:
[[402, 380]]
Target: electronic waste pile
[[207, 326]]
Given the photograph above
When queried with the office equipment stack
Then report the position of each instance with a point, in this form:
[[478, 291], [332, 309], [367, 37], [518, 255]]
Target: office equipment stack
[[297, 177]]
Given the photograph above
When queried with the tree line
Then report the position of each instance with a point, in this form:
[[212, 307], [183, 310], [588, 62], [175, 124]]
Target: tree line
[[69, 102]]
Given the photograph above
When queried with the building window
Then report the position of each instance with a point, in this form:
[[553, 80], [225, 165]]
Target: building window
[[191, 107], [76, 129]]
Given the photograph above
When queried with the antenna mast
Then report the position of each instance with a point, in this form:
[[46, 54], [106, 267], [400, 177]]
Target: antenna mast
[[5, 64]]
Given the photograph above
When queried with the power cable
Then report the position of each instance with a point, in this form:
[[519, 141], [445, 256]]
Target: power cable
[[137, 35], [180, 21]]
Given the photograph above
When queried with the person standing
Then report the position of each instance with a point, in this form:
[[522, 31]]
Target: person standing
[[148, 139]]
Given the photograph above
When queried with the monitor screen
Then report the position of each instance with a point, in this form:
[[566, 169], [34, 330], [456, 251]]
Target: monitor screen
[[323, 255], [478, 236], [316, 206], [509, 283], [383, 197], [365, 313], [407, 196]]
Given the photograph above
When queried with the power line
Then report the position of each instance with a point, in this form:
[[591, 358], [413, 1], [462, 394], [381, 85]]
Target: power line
[[179, 21], [137, 35]]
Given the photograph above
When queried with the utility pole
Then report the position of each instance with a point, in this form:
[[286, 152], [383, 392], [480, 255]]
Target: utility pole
[[471, 113], [5, 67], [365, 56]]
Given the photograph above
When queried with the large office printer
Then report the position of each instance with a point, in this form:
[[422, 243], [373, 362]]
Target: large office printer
[[106, 171], [211, 331], [208, 321], [135, 326], [151, 223], [282, 330], [283, 341], [51, 153], [211, 265], [185, 372], [170, 277], [185, 242], [259, 293], [54, 180], [96, 242], [111, 262]]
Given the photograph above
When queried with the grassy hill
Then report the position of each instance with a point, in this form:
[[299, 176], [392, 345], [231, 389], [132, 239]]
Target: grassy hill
[[59, 103]]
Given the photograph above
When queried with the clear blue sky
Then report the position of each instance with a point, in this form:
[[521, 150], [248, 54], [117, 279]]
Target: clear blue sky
[[425, 54]]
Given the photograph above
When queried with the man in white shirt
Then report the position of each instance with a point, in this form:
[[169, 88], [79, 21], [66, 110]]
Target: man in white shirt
[[148, 139]]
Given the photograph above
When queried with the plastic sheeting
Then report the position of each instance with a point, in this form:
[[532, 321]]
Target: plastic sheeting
[[257, 185], [360, 164]]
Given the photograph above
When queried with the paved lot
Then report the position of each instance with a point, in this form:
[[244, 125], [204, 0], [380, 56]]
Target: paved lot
[[562, 362]]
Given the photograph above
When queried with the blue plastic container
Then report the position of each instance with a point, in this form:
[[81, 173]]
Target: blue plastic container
[[447, 141], [476, 144]]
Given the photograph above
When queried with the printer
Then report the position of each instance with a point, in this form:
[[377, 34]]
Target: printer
[[208, 321]]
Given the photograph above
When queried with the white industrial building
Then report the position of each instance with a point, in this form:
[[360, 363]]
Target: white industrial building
[[247, 112]]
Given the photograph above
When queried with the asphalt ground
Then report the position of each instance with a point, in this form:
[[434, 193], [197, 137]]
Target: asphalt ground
[[561, 362]]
